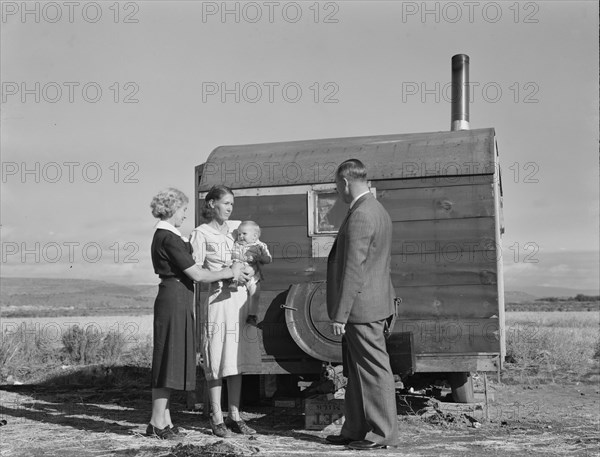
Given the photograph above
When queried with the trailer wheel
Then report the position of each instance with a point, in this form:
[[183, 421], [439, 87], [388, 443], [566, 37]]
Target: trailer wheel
[[462, 387]]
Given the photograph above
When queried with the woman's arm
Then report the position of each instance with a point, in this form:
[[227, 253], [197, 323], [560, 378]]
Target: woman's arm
[[201, 275], [198, 242]]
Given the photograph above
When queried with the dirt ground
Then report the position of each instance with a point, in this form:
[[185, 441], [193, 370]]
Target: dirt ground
[[72, 421]]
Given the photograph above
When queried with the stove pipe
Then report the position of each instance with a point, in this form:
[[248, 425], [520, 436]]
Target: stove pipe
[[460, 92]]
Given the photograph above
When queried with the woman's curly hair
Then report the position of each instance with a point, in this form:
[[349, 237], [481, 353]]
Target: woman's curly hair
[[215, 193], [166, 202]]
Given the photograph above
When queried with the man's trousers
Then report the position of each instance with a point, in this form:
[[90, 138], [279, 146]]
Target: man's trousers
[[370, 401]]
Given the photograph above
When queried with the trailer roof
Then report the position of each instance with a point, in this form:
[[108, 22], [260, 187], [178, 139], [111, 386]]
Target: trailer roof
[[413, 155]]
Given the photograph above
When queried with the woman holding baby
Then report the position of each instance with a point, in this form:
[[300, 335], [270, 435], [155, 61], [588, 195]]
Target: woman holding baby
[[174, 355], [229, 344]]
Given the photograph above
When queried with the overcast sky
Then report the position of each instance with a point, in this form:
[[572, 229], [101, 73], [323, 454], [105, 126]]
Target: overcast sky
[[104, 104]]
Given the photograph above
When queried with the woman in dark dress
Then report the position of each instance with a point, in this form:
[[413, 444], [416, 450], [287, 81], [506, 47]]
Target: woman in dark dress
[[174, 356]]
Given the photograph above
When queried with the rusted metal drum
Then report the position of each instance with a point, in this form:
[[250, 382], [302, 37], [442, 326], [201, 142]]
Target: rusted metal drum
[[308, 322]]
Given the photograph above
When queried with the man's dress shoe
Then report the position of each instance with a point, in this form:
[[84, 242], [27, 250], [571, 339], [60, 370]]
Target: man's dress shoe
[[365, 445], [338, 439]]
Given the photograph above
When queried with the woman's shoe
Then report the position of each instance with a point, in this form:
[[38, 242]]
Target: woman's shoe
[[220, 430], [176, 430], [240, 427], [160, 433]]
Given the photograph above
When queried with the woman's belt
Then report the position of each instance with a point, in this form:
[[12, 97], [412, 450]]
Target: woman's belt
[[169, 278]]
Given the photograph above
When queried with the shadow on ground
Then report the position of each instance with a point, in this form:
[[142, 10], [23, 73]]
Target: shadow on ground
[[118, 400]]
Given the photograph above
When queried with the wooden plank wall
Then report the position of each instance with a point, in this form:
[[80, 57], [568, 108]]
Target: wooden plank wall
[[444, 264]]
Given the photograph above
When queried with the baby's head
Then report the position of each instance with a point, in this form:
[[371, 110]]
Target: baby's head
[[248, 232]]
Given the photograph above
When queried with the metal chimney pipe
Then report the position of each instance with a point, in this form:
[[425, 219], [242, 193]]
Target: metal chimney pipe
[[460, 92]]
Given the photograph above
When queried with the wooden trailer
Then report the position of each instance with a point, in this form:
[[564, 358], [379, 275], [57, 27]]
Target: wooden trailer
[[443, 193]]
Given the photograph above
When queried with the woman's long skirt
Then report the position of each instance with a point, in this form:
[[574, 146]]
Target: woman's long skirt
[[174, 356]]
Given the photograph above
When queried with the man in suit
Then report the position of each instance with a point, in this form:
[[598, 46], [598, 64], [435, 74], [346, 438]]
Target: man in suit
[[360, 304]]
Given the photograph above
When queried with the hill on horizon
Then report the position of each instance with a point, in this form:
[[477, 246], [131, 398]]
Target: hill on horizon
[[564, 292], [21, 297], [37, 286], [50, 286]]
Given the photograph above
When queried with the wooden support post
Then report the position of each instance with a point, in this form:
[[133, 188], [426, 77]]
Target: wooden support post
[[485, 389], [498, 371]]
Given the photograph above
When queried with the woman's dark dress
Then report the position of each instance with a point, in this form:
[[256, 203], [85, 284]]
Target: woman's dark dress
[[174, 356]]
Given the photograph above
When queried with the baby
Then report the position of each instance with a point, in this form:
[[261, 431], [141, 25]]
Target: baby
[[253, 253]]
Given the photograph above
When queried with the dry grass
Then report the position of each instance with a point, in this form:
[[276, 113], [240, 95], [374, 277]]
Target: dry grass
[[541, 346], [552, 346], [29, 354]]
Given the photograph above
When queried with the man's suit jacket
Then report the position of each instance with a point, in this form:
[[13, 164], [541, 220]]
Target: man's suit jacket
[[359, 286]]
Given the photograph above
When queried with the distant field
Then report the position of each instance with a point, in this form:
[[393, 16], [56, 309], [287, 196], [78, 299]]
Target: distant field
[[556, 319], [45, 297], [135, 328], [27, 297], [548, 306], [517, 323]]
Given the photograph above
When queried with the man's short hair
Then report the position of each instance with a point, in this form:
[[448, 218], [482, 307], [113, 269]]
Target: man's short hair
[[352, 170]]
